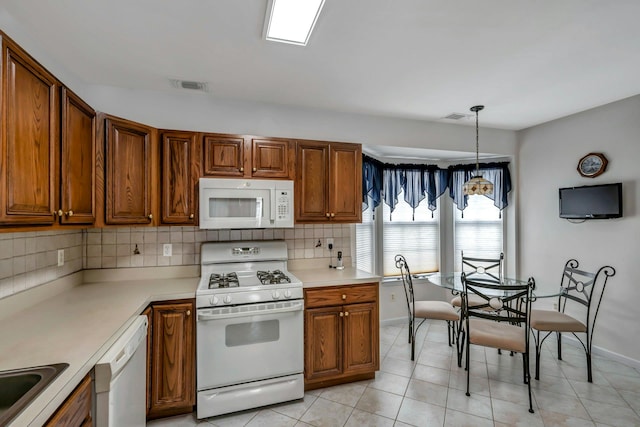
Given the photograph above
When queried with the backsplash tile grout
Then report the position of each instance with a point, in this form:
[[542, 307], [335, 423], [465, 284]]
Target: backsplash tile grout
[[29, 259]]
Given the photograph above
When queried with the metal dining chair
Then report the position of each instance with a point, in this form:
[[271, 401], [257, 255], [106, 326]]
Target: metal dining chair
[[579, 291], [500, 320], [435, 310]]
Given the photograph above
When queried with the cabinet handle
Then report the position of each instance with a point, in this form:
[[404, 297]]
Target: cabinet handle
[[341, 314], [150, 216], [346, 313], [188, 312], [327, 214], [191, 216], [241, 169], [59, 213], [344, 296], [332, 214], [70, 213], [255, 169]]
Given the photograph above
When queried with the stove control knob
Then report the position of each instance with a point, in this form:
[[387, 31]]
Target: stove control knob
[[214, 300], [227, 299], [275, 295], [287, 293]]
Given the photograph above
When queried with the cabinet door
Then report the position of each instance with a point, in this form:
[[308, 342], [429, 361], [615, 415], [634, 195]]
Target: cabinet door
[[361, 346], [312, 175], [225, 156], [323, 342], [172, 359], [29, 144], [78, 161], [128, 170], [180, 167], [76, 410], [345, 182], [271, 158]]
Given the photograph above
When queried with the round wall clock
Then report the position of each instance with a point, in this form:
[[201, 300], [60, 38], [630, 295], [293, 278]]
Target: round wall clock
[[592, 165]]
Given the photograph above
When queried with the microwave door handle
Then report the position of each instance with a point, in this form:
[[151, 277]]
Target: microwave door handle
[[273, 205]]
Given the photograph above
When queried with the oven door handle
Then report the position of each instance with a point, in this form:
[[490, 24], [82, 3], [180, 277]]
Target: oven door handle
[[209, 316]]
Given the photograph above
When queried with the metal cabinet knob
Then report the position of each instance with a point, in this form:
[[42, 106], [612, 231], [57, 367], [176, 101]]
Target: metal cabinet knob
[[70, 213], [341, 314], [346, 313], [255, 169], [344, 296], [327, 214], [241, 169], [59, 213], [150, 216], [191, 216], [332, 214], [188, 312]]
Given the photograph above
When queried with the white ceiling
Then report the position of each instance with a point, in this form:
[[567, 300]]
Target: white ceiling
[[528, 61]]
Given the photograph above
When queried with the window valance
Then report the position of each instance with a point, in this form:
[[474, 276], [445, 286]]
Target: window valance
[[385, 181]]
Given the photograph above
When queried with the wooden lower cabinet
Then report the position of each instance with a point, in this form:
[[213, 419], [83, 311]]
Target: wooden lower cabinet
[[171, 381], [76, 410], [341, 334]]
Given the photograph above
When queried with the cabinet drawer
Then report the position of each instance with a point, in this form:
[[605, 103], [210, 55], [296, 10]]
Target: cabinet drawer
[[338, 295]]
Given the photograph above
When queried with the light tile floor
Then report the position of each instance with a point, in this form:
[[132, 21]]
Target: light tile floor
[[431, 391]]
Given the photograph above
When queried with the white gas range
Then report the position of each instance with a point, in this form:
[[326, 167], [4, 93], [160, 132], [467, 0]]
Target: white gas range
[[249, 328]]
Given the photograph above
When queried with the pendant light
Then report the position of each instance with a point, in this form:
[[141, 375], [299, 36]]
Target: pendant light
[[477, 184]]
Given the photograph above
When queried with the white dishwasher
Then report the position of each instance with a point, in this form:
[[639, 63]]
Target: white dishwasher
[[120, 379]]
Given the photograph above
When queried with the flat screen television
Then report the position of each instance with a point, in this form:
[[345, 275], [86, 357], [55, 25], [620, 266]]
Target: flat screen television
[[591, 201]]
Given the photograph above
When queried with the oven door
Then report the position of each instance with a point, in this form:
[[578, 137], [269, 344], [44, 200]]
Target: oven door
[[249, 343]]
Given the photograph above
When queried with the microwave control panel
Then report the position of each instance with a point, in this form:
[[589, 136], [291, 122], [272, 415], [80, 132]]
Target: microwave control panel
[[283, 202]]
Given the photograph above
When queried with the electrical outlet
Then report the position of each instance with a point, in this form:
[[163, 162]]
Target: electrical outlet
[[60, 257], [167, 249], [329, 241], [393, 297]]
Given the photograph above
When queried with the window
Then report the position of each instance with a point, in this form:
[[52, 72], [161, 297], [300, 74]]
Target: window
[[479, 233], [416, 236], [365, 241]]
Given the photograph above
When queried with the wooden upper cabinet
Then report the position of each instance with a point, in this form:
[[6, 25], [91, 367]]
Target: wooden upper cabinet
[[238, 156], [224, 156], [272, 158], [129, 159], [30, 138], [328, 182], [78, 161], [180, 172]]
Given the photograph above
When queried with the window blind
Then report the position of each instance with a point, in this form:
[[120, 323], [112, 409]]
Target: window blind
[[479, 233], [365, 241], [418, 239]]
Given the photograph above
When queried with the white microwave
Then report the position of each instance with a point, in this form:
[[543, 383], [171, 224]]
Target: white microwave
[[245, 203]]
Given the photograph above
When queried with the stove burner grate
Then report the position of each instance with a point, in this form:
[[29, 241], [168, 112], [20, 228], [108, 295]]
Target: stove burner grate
[[228, 280], [275, 277]]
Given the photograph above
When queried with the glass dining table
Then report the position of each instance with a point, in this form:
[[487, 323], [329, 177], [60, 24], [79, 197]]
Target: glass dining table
[[453, 282]]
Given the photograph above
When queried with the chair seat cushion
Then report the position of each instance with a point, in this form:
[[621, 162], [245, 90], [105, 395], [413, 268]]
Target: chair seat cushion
[[552, 320], [497, 335], [474, 300], [438, 310]]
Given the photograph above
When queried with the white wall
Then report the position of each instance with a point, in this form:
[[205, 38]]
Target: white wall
[[547, 159]]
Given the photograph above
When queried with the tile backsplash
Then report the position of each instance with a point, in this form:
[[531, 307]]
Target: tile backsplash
[[29, 259]]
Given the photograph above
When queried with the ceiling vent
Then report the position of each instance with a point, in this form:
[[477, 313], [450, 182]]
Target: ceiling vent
[[456, 116], [186, 84]]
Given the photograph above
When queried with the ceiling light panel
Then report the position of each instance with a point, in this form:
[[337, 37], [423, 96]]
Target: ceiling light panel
[[292, 21]]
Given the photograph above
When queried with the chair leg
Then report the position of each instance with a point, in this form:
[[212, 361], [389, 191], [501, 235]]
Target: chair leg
[[559, 345], [538, 356], [449, 332], [410, 330], [528, 377], [589, 376], [467, 367]]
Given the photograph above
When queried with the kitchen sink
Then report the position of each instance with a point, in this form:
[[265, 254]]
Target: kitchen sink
[[18, 387]]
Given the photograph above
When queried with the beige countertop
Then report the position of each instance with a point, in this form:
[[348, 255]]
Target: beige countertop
[[76, 319], [77, 326], [332, 277]]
